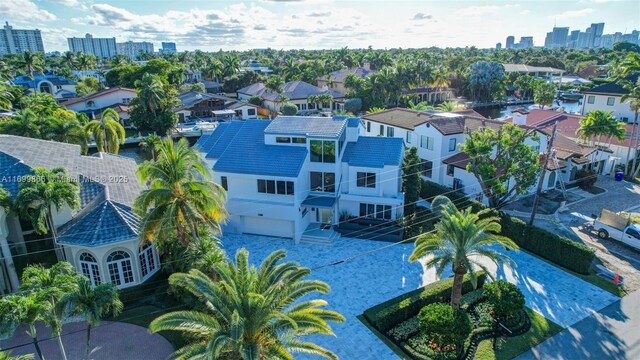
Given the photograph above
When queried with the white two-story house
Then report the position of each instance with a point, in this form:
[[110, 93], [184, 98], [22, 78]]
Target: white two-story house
[[295, 92], [117, 98], [608, 97], [295, 175]]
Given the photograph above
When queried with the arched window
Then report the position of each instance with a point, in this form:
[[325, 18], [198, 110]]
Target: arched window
[[148, 260], [120, 269], [45, 88], [90, 268]]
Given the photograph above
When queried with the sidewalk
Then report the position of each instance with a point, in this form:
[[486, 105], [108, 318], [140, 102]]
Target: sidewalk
[[612, 333]]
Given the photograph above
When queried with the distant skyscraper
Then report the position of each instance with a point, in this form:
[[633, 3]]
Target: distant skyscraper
[[13, 41], [510, 42], [573, 39], [133, 49], [557, 38], [100, 47], [499, 46], [168, 48], [526, 42]]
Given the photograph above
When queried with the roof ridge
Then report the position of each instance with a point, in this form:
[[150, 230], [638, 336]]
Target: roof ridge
[[116, 206]]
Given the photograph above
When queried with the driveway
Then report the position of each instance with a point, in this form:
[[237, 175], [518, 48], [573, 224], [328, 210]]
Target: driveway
[[612, 333], [110, 340], [374, 277]]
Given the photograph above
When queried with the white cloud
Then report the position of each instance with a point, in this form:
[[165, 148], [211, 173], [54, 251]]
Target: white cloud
[[572, 13], [70, 3], [24, 10], [525, 12], [482, 10]]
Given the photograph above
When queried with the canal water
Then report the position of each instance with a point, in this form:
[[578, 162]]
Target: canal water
[[505, 111]]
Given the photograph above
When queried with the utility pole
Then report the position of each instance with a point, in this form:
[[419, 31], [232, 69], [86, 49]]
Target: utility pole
[[544, 168]]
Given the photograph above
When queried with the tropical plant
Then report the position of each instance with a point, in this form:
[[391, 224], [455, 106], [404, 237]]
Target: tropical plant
[[251, 313], [353, 105], [544, 93], [150, 143], [320, 100], [275, 83], [448, 106], [633, 97], [6, 355], [445, 325], [374, 110], [628, 66], [152, 109], [598, 123], [107, 131], [26, 309], [486, 80], [23, 123], [31, 63], [52, 284], [460, 240], [181, 194], [505, 299], [289, 109], [48, 189], [92, 303], [411, 182], [65, 130]]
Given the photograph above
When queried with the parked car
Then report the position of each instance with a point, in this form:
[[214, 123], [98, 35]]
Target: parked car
[[610, 225]]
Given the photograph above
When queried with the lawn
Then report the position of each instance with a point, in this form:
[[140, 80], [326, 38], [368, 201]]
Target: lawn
[[144, 315], [541, 329]]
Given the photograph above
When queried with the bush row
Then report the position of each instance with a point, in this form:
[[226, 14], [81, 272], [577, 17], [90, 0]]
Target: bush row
[[390, 313], [557, 249]]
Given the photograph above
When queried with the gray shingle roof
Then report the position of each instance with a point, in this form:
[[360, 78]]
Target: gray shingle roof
[[306, 125], [340, 75], [370, 151], [190, 98], [243, 150], [293, 90], [614, 87]]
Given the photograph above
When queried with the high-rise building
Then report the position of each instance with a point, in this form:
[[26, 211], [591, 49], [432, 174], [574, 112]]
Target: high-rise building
[[557, 38], [100, 47], [573, 39], [133, 49], [168, 48], [14, 41], [498, 46], [510, 42], [526, 42]]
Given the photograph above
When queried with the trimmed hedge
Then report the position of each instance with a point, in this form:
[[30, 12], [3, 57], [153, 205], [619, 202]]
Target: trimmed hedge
[[557, 249], [392, 312]]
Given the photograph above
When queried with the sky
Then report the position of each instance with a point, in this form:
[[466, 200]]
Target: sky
[[313, 24]]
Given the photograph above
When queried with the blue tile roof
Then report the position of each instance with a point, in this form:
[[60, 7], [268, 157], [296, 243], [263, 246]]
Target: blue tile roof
[[107, 223], [89, 190], [54, 79], [11, 170], [353, 122], [319, 201], [370, 151], [306, 125], [243, 151], [205, 143], [224, 139]]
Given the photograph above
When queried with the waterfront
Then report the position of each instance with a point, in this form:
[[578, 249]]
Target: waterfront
[[505, 111]]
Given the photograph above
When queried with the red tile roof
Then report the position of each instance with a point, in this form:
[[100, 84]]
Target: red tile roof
[[96, 95]]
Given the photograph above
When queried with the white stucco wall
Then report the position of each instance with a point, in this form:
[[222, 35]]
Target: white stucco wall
[[103, 101], [620, 110]]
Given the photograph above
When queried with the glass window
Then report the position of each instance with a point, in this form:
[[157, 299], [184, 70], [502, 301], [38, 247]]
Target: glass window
[[329, 182], [633, 233], [282, 139], [325, 182], [262, 186], [147, 259], [299, 140], [251, 112], [365, 179], [381, 133], [329, 152], [120, 269], [223, 182], [427, 168], [316, 150], [375, 211], [90, 269], [316, 181], [290, 188], [408, 137], [368, 126], [390, 131], [611, 101], [591, 99], [426, 142], [452, 144], [281, 187], [450, 170], [271, 186]]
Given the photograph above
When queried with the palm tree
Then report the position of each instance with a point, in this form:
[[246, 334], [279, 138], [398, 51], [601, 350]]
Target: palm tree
[[629, 65], [448, 106], [66, 130], [5, 355], [374, 110], [36, 199], [52, 283], [251, 313], [180, 195], [26, 309], [69, 59], [150, 91], [31, 63], [92, 303], [459, 240], [150, 143], [597, 124], [23, 123], [107, 131], [633, 96]]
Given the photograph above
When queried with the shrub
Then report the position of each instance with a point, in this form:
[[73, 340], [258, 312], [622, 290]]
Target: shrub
[[405, 330], [505, 298], [390, 313], [444, 324], [353, 105], [255, 100], [289, 109], [586, 178]]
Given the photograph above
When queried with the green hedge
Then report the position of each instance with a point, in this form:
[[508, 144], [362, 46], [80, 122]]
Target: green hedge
[[392, 312], [559, 250]]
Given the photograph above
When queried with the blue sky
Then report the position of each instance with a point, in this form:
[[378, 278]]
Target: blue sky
[[313, 24]]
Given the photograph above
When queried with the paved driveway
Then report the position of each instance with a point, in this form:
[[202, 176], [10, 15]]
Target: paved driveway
[[375, 277]]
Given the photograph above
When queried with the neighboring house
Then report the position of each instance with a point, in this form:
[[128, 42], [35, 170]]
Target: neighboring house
[[594, 71], [117, 98], [294, 175], [212, 87], [297, 92], [335, 80], [100, 238], [608, 97], [192, 76], [429, 94], [438, 136], [574, 80], [603, 159], [541, 72], [60, 88], [197, 106], [254, 65], [95, 73]]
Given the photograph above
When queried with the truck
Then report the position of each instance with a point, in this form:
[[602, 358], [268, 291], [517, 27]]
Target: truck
[[610, 225]]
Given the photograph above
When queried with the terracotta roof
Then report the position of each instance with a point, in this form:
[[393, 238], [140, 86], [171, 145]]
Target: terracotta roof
[[459, 160], [96, 95], [447, 123]]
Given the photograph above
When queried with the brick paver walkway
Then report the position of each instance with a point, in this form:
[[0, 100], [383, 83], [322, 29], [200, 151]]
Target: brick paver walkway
[[110, 340]]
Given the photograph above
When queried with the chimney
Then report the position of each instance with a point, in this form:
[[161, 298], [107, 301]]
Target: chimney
[[366, 65], [519, 116]]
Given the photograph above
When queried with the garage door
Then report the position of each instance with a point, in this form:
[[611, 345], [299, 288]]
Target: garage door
[[268, 227]]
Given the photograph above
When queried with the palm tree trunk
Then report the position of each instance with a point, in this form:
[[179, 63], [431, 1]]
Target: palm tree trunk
[[64, 353], [88, 346], [456, 291], [627, 169], [34, 339]]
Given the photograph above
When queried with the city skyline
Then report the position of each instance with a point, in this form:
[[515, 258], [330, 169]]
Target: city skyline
[[312, 24]]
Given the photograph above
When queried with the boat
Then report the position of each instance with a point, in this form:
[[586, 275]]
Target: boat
[[570, 95], [200, 128]]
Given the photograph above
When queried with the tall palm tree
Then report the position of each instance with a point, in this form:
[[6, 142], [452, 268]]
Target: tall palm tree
[[181, 194], [107, 131], [633, 97], [23, 123], [52, 283], [6, 355], [93, 303], [448, 106], [69, 59], [597, 124], [150, 144], [31, 63], [26, 309], [150, 91], [50, 189], [629, 65], [251, 313], [65, 130], [460, 239]]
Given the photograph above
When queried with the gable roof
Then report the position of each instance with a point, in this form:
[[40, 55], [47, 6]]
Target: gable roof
[[26, 81], [340, 75], [98, 94], [294, 90], [374, 151], [243, 151], [448, 123], [529, 68], [307, 126], [191, 98], [614, 87]]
